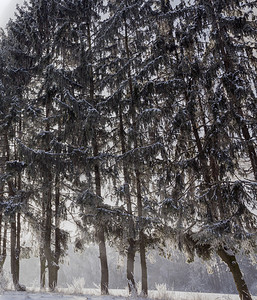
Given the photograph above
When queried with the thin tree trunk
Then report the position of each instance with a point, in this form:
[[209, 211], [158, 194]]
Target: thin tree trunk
[[48, 233], [3, 249], [41, 249], [130, 266], [100, 231], [18, 234], [231, 262], [14, 258], [13, 254], [18, 246], [42, 268], [57, 231], [47, 198], [103, 260], [15, 236], [142, 241], [143, 264], [131, 242]]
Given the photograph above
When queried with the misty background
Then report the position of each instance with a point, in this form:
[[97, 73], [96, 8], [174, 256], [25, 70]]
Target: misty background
[[175, 272]]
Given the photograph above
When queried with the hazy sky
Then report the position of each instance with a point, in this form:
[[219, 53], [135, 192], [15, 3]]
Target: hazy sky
[[7, 8]]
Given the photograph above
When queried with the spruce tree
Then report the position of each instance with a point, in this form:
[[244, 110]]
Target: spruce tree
[[205, 133]]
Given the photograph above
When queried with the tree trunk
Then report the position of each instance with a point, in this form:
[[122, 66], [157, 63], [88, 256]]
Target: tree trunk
[[42, 269], [3, 248], [104, 264], [241, 285], [143, 264], [142, 244], [100, 230], [132, 245], [137, 173], [130, 266], [57, 232], [18, 246], [47, 248], [13, 254]]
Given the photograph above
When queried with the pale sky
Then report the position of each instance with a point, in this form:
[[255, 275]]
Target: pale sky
[[7, 8]]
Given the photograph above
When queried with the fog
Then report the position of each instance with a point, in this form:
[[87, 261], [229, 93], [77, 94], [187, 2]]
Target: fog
[[175, 272]]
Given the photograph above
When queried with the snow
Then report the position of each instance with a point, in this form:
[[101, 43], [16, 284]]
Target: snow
[[52, 296], [8, 295]]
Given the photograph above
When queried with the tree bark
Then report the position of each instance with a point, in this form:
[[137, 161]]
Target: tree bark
[[132, 245], [143, 264], [142, 241], [234, 268], [18, 246], [42, 269], [3, 248], [142, 244], [57, 253], [103, 260], [13, 254], [48, 233], [130, 266], [100, 229]]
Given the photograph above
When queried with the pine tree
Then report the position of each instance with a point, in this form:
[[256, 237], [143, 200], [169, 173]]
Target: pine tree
[[204, 132], [11, 167], [31, 46], [125, 39]]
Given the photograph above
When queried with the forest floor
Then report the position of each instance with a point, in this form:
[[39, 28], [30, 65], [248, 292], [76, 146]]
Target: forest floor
[[114, 295]]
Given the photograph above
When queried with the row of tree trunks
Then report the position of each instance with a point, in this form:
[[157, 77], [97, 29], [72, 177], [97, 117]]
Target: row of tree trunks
[[15, 222]]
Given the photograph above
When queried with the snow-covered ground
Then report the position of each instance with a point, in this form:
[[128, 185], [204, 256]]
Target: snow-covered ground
[[114, 295]]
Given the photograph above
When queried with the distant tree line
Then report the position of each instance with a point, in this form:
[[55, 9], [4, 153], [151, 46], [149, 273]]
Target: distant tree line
[[135, 118]]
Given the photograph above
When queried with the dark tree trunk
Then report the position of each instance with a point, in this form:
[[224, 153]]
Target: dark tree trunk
[[18, 234], [18, 246], [142, 240], [48, 233], [15, 257], [104, 264], [100, 235], [57, 232], [3, 247], [42, 269], [100, 230], [132, 245], [130, 266], [47, 198], [13, 254], [142, 244], [143, 265], [231, 262]]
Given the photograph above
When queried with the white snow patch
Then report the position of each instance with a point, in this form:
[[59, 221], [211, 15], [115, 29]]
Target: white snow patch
[[169, 295]]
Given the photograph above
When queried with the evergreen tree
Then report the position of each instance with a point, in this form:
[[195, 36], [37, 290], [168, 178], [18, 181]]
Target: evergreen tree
[[209, 203]]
